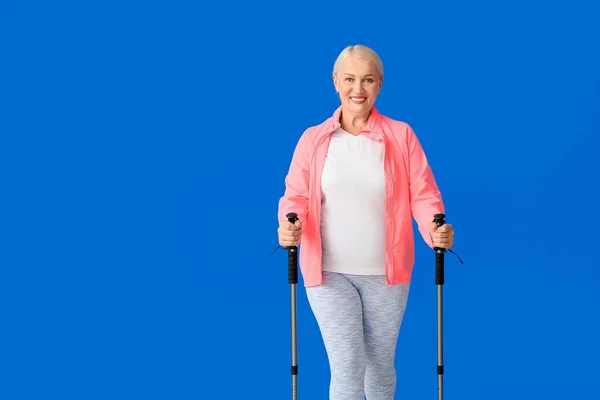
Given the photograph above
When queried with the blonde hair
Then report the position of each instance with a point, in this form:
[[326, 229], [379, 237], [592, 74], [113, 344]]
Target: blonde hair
[[359, 51]]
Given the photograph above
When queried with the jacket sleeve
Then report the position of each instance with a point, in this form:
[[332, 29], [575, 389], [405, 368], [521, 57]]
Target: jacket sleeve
[[425, 196], [295, 198]]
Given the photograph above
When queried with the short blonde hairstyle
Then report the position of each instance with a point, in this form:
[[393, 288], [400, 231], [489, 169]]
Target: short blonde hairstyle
[[362, 52]]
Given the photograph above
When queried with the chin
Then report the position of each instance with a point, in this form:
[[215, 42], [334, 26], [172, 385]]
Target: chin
[[358, 107]]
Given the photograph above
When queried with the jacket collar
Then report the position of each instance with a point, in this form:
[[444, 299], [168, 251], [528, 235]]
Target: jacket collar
[[372, 129]]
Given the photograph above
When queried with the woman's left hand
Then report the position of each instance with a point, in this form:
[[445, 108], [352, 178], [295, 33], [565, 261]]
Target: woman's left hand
[[442, 236]]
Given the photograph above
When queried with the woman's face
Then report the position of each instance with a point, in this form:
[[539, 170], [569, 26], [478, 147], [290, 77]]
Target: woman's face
[[358, 82]]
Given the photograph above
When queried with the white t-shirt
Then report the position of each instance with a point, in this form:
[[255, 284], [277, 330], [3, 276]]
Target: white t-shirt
[[353, 206]]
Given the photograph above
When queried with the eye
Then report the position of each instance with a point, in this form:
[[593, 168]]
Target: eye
[[348, 79], [369, 80]]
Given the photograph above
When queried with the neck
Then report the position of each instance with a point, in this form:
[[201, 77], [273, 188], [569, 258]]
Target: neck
[[354, 123]]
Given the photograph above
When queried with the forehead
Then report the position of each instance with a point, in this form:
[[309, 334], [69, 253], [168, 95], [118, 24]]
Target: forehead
[[358, 66]]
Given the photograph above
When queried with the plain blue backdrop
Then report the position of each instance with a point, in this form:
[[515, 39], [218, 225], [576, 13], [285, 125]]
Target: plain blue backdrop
[[143, 148]]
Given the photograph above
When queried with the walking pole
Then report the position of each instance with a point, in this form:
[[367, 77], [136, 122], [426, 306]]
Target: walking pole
[[439, 281], [293, 280]]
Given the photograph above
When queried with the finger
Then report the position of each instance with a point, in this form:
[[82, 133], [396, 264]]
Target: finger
[[289, 236], [287, 225], [439, 235], [294, 234], [444, 228]]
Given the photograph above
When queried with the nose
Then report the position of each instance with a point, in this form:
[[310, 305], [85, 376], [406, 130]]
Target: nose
[[358, 86]]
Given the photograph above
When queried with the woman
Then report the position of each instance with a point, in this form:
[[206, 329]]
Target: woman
[[355, 181]]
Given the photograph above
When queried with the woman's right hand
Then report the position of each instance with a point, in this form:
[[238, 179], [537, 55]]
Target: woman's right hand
[[289, 234]]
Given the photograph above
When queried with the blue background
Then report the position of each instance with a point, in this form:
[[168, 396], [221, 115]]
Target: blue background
[[142, 156]]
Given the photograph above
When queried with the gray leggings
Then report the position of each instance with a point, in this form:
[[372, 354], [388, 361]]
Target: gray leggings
[[359, 317]]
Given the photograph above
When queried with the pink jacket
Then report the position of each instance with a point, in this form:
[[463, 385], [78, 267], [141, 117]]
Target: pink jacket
[[411, 191]]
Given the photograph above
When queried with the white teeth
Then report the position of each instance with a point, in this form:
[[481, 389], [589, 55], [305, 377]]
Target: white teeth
[[358, 99]]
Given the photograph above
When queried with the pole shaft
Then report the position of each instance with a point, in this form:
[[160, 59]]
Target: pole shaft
[[294, 349], [440, 344], [294, 345]]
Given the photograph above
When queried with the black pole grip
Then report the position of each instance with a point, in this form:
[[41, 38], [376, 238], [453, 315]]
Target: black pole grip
[[439, 253], [292, 254]]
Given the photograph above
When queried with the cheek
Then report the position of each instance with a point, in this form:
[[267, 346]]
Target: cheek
[[374, 91]]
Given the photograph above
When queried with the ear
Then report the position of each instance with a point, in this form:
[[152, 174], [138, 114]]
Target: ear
[[335, 83]]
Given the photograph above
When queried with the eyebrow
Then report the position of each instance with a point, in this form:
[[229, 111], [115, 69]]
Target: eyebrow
[[353, 74]]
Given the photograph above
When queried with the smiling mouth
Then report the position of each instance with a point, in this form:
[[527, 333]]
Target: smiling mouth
[[358, 99]]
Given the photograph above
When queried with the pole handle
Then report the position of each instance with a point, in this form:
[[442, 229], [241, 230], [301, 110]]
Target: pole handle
[[292, 254], [439, 253]]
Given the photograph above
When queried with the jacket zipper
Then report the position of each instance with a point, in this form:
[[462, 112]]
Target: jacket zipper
[[316, 190], [389, 213]]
